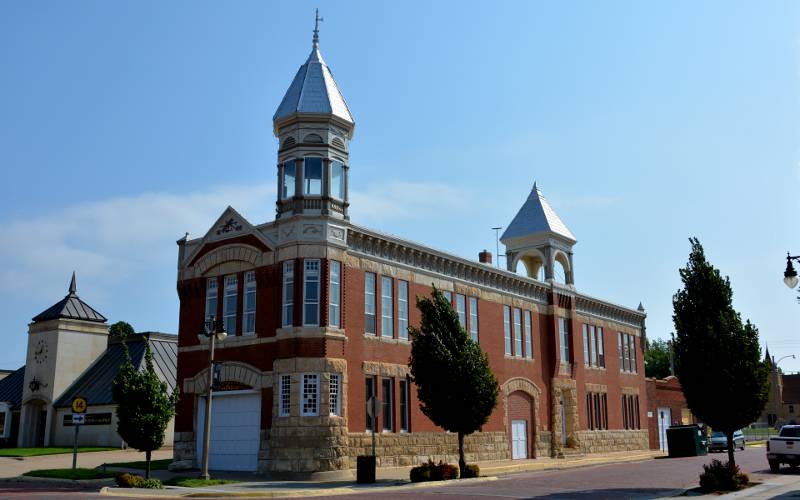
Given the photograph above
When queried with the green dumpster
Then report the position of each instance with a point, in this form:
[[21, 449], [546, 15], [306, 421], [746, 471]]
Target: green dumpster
[[686, 441]]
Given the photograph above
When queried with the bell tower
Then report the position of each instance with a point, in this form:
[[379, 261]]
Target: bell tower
[[314, 126]]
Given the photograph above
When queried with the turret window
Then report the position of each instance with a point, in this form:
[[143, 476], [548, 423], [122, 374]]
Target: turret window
[[312, 176], [289, 173], [337, 180]]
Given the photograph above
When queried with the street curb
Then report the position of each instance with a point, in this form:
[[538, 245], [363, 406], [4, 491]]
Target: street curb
[[57, 480], [569, 464]]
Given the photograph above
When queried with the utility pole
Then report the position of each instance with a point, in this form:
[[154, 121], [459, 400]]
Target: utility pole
[[497, 242]]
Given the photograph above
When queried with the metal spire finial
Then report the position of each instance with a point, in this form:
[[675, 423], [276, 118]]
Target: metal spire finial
[[317, 20], [72, 286]]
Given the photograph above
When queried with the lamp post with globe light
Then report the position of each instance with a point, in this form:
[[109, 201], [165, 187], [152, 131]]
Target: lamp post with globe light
[[215, 331], [790, 275]]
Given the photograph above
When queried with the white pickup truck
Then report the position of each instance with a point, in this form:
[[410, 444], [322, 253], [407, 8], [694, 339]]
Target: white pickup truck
[[784, 448]]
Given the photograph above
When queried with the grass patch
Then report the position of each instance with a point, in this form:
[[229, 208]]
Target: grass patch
[[35, 452], [142, 464], [196, 482], [71, 474]]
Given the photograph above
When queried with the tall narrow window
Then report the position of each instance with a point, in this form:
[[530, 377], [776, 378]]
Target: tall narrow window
[[593, 344], [625, 412], [619, 350], [473, 318], [633, 353], [369, 393], [507, 329], [636, 411], [249, 319], [627, 352], [310, 403], [405, 415], [337, 180], [334, 391], [387, 306], [564, 330], [285, 401], [402, 309], [311, 293], [335, 294], [601, 350], [288, 293], [461, 310], [528, 336], [585, 345], [589, 422], [211, 297], [388, 400], [517, 332], [312, 175], [369, 303], [605, 411], [229, 304], [289, 174]]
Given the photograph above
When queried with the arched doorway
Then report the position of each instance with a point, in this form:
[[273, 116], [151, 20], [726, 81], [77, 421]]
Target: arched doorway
[[521, 423], [34, 427]]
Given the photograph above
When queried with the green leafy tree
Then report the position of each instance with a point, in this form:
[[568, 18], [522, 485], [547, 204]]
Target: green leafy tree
[[120, 330], [455, 385], [657, 358], [717, 357], [145, 406]]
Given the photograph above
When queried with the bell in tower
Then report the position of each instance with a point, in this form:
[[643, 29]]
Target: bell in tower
[[314, 126]]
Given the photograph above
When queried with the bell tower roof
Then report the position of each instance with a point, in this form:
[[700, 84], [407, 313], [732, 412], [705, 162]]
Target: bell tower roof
[[537, 216], [70, 307], [314, 90]]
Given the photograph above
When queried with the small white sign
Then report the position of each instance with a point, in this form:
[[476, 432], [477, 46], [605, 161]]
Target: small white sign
[[78, 418], [649, 414]]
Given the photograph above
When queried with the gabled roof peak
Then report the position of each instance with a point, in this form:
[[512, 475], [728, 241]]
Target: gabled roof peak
[[537, 216], [70, 307]]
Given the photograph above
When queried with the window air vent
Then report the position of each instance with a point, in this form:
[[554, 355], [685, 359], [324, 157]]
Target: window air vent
[[313, 139], [289, 142], [337, 142]]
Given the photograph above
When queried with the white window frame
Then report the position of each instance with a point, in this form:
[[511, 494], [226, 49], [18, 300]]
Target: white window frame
[[309, 394], [231, 290], [633, 354], [626, 352], [586, 356], [405, 405], [249, 303], [334, 395], [337, 185], [517, 332], [402, 309], [335, 294], [287, 309], [311, 283], [285, 401], [507, 330], [370, 284], [528, 334], [601, 350], [564, 337], [473, 318], [461, 310], [212, 295], [387, 307], [593, 344]]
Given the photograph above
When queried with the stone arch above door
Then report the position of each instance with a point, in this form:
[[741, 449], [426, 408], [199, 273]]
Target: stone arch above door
[[232, 371]]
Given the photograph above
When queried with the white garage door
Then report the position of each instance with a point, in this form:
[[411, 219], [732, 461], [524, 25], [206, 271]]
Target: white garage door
[[235, 424]]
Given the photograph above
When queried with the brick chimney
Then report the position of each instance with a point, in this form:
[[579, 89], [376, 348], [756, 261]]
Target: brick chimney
[[485, 257]]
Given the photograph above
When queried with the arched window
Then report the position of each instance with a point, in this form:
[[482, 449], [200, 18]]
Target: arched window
[[531, 266], [313, 139]]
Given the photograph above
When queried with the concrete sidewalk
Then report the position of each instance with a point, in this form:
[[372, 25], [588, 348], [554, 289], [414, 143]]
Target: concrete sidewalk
[[388, 479], [11, 467]]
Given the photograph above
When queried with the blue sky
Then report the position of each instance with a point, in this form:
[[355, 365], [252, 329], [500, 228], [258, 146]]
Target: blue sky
[[125, 124]]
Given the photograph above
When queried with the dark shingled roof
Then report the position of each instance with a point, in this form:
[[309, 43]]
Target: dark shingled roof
[[70, 307], [95, 383], [791, 388], [11, 388]]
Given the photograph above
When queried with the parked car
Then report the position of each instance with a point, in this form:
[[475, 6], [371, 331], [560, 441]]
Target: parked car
[[784, 448], [719, 441]]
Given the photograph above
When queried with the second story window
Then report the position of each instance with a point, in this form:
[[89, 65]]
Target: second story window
[[507, 330], [601, 350], [229, 304], [369, 303], [312, 175], [563, 326], [311, 293], [249, 319], [211, 297], [387, 303], [461, 310], [288, 293], [402, 309], [528, 339], [289, 174], [473, 318], [517, 332], [334, 299], [593, 344], [337, 180]]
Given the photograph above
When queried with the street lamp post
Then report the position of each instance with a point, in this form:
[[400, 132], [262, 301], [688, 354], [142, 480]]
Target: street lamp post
[[784, 357], [790, 275], [214, 330]]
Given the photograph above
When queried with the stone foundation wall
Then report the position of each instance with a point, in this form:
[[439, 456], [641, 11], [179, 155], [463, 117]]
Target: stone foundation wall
[[543, 444], [612, 440], [183, 451], [307, 444], [398, 450]]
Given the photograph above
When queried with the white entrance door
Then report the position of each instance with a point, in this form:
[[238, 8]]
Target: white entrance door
[[235, 426], [664, 419], [519, 439]]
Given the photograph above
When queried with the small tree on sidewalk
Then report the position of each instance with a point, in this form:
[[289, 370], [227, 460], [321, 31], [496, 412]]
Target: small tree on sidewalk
[[455, 385], [717, 357], [145, 406]]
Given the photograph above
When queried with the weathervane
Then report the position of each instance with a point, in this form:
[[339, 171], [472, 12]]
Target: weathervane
[[317, 20]]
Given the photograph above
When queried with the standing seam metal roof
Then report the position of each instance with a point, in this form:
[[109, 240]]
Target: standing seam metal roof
[[536, 216], [11, 388], [70, 307]]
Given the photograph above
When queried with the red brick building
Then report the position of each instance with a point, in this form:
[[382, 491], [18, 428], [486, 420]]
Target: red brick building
[[666, 407], [317, 310]]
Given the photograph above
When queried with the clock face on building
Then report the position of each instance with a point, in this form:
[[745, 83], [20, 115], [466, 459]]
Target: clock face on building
[[40, 352]]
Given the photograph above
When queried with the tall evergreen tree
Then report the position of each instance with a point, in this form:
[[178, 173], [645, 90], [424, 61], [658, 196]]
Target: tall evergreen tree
[[717, 357], [455, 385], [144, 405]]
